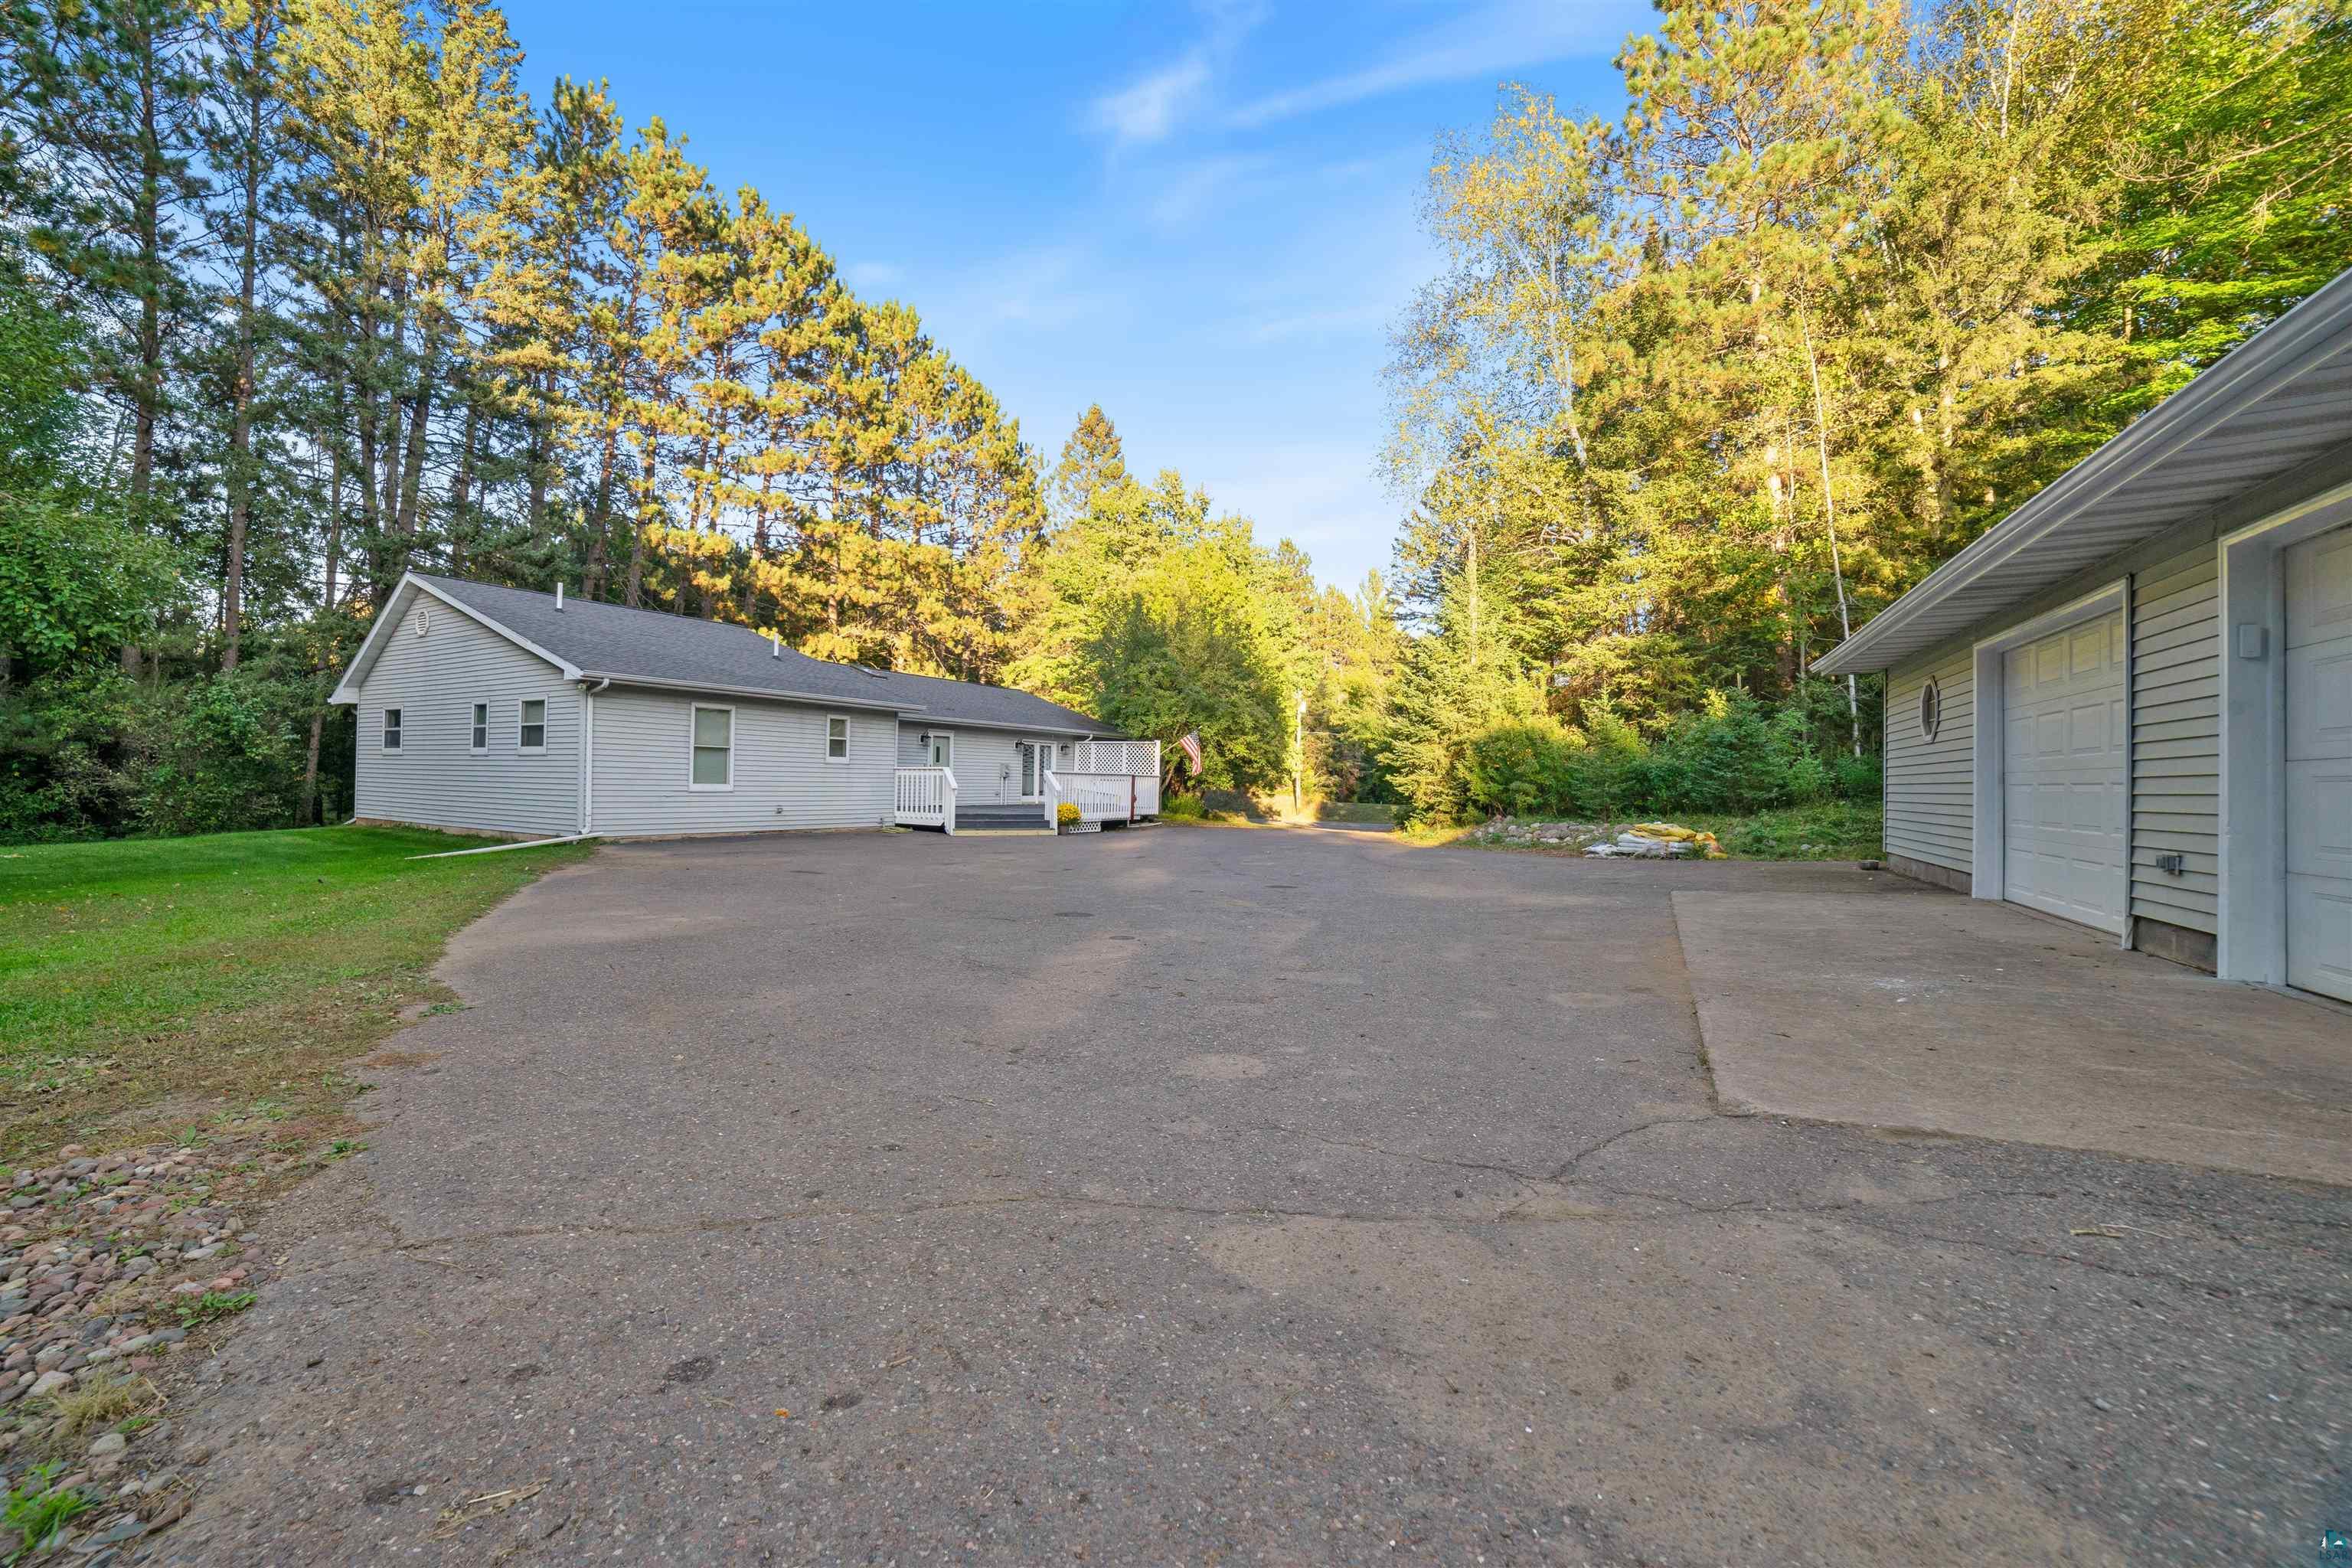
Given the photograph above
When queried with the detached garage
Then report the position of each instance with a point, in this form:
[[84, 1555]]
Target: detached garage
[[2129, 705]]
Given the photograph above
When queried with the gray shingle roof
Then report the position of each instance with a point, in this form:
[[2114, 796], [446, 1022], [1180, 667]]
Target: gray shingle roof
[[653, 645]]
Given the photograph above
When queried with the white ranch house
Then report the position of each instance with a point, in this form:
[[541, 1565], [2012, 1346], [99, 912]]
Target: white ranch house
[[2129, 705], [503, 711]]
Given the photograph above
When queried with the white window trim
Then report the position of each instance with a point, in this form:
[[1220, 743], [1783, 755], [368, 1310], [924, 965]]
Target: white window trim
[[2250, 943], [384, 724], [843, 759], [484, 749], [1988, 852], [692, 709], [539, 750]]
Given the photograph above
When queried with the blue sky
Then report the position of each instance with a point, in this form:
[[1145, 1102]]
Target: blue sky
[[1203, 218]]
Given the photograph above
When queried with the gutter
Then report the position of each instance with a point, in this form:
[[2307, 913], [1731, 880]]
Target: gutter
[[2253, 371], [938, 719], [771, 693]]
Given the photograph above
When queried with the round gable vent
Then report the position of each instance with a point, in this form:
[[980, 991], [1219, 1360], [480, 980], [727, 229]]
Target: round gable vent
[[423, 620], [1931, 709]]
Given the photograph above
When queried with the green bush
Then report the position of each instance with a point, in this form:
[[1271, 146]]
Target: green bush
[[1521, 769], [1184, 807], [89, 753], [222, 755], [1861, 778], [1733, 755]]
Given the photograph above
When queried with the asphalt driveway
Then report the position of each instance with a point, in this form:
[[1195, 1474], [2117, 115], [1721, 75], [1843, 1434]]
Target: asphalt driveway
[[1222, 1196]]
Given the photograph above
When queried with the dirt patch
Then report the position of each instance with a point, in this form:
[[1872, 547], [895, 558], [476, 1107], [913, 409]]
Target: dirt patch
[[389, 1061]]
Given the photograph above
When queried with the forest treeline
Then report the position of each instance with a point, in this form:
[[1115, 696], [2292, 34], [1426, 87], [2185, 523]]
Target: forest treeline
[[297, 294], [1703, 385], [302, 294]]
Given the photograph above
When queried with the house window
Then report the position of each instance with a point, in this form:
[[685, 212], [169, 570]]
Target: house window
[[1931, 711], [836, 738], [480, 740], [714, 748], [392, 729], [530, 735]]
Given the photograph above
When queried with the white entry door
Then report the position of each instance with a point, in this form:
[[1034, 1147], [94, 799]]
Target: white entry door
[[1035, 760], [2063, 798], [2319, 765]]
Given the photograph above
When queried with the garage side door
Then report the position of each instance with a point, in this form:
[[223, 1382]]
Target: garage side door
[[2319, 765], [2062, 773]]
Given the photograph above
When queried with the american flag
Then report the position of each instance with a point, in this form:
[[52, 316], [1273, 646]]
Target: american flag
[[1192, 744]]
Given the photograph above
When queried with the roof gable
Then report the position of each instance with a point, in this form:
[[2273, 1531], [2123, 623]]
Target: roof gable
[[405, 596]]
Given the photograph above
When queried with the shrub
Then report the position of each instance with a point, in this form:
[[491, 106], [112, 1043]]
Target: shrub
[[1861, 778], [1521, 769], [1613, 774], [1184, 807], [222, 753], [1735, 755], [1729, 756]]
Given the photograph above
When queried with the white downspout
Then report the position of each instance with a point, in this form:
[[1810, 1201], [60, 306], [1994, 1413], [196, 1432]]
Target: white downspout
[[588, 753]]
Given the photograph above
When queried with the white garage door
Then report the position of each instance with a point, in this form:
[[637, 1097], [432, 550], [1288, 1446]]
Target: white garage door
[[2063, 740], [2319, 765]]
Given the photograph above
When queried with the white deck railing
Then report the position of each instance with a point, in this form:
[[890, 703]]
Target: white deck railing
[[927, 798], [1099, 797]]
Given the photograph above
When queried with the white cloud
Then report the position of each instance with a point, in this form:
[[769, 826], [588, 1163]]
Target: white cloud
[[1029, 291], [1342, 320], [1492, 40], [1151, 108], [1191, 190], [1146, 110]]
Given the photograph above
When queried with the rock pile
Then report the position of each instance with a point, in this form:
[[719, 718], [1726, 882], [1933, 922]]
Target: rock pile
[[1515, 834], [106, 1264]]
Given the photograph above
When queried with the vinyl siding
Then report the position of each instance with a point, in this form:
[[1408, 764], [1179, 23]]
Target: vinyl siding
[[987, 762], [434, 779], [782, 777], [1930, 784], [2177, 738], [2176, 743]]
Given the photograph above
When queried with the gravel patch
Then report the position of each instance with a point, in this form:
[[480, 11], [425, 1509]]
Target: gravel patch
[[118, 1271]]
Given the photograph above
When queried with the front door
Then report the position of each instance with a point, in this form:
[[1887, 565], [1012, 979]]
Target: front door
[[942, 750], [1034, 761]]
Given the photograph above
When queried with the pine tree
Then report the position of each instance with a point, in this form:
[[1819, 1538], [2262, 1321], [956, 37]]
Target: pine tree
[[1092, 460], [241, 142]]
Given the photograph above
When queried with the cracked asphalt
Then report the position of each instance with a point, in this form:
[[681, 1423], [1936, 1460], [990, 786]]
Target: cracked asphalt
[[1214, 1196]]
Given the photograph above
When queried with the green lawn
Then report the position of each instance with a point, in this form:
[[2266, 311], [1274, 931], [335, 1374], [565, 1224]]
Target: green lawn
[[1834, 830], [146, 984]]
